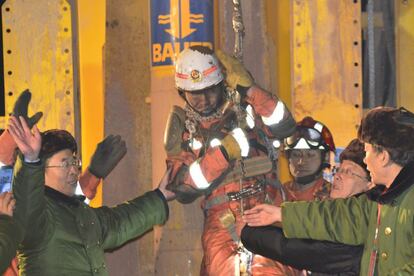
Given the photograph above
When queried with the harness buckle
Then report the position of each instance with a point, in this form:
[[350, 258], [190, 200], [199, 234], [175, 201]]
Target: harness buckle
[[247, 192]]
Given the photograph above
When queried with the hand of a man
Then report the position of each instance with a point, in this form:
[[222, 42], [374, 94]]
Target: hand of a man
[[262, 215], [28, 141], [162, 186], [21, 107], [236, 73], [7, 203], [107, 155]]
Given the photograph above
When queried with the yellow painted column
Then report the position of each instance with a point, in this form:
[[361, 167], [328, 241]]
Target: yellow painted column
[[38, 55], [404, 22], [278, 18], [326, 64], [91, 20]]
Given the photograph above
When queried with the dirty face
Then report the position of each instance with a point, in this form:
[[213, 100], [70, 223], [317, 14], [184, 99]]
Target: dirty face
[[205, 101], [304, 162]]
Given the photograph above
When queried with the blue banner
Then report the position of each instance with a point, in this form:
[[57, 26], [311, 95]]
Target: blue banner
[[179, 24]]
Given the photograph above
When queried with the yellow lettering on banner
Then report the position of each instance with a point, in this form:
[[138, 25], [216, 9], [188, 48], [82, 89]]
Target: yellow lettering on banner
[[167, 51], [176, 48], [162, 52], [156, 52]]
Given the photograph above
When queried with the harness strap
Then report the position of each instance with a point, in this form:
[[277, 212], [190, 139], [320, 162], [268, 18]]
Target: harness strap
[[228, 221]]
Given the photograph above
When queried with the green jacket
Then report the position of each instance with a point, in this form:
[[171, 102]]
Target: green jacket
[[67, 237], [354, 221], [11, 233]]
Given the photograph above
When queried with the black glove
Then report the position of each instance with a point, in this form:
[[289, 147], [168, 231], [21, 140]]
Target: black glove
[[107, 155], [21, 106]]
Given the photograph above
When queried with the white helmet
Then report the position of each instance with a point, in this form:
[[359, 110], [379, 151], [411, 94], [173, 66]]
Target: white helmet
[[195, 70]]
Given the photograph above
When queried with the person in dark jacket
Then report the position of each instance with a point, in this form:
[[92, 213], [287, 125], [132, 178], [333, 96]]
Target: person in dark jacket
[[11, 233], [320, 257], [107, 155], [67, 237]]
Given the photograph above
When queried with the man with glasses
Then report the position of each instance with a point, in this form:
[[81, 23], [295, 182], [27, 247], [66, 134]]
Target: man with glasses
[[102, 163], [382, 220], [350, 179], [106, 156], [64, 236]]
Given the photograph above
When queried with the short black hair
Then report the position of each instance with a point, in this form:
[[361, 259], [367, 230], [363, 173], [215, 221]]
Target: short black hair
[[354, 152], [390, 129], [55, 140]]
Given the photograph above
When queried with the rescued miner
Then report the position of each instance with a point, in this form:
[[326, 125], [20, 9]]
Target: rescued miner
[[220, 146]]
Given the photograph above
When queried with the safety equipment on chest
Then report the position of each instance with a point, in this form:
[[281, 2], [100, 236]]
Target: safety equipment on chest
[[197, 68], [310, 134]]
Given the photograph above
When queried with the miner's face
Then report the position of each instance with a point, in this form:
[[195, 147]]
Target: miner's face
[[304, 162], [205, 101]]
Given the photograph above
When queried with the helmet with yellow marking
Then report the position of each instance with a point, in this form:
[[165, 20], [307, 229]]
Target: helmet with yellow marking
[[197, 68]]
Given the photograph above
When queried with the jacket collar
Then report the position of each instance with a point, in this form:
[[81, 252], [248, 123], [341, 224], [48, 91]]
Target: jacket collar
[[403, 181], [75, 200]]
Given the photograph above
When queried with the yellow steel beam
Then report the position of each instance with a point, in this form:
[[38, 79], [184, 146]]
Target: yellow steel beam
[[278, 20], [38, 54], [405, 53], [326, 64], [91, 21]]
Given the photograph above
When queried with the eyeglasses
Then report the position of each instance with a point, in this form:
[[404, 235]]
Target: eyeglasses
[[72, 162], [348, 173], [311, 136]]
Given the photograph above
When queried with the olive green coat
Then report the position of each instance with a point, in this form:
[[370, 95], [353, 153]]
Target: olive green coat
[[353, 221], [67, 237], [11, 233]]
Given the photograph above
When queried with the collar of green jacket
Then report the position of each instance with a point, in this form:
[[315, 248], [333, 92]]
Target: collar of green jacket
[[75, 200], [403, 181]]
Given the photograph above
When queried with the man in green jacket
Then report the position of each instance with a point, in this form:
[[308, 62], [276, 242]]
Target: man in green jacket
[[383, 219], [64, 236], [11, 233]]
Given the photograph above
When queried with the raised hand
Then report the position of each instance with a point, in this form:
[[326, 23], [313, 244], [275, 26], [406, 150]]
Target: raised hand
[[236, 73], [7, 204], [107, 155], [262, 215], [21, 106], [28, 141]]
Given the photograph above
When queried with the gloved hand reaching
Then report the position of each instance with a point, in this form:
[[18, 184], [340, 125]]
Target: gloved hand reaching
[[236, 73], [107, 155], [21, 106]]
